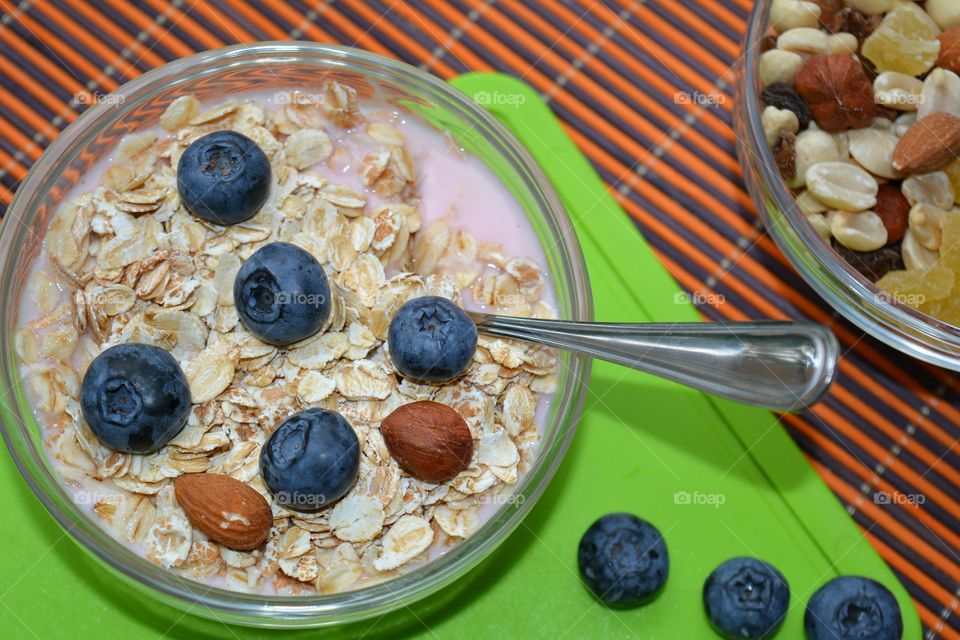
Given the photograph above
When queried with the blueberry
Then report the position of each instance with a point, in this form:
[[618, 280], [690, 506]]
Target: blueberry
[[853, 608], [311, 460], [431, 339], [135, 398], [281, 294], [623, 560], [223, 177], [746, 598]]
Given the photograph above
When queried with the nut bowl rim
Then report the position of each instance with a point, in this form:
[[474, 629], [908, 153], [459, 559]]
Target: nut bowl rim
[[22, 434]]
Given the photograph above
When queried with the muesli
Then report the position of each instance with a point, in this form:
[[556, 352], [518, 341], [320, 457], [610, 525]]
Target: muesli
[[385, 204]]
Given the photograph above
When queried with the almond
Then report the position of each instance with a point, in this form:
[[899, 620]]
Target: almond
[[838, 92], [429, 440], [950, 50], [929, 145], [226, 510]]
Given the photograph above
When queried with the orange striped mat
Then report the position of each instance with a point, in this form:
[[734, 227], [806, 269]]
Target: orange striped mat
[[645, 89]]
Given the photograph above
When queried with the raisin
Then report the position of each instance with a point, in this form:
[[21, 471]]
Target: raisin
[[785, 154], [768, 43], [859, 24], [782, 96], [872, 264]]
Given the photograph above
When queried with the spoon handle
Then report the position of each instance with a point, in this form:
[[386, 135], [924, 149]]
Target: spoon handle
[[785, 366]]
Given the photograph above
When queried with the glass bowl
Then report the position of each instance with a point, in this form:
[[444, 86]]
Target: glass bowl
[[267, 67], [843, 287]]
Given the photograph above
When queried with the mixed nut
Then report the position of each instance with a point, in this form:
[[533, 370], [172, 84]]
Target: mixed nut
[[861, 108]]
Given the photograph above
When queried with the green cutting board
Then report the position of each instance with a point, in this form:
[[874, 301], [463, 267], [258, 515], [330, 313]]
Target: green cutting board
[[718, 479]]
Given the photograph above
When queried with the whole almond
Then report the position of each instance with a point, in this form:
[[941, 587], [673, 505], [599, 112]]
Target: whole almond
[[226, 510], [929, 145], [950, 50], [429, 440], [894, 209], [838, 92]]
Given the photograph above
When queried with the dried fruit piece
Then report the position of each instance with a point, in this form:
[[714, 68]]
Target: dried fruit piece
[[859, 24], [906, 41], [894, 209], [873, 264], [947, 310], [929, 145], [950, 247], [429, 440], [918, 286], [838, 92], [783, 96], [228, 511], [785, 155]]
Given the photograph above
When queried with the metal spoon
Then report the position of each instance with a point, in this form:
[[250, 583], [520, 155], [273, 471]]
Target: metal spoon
[[784, 366]]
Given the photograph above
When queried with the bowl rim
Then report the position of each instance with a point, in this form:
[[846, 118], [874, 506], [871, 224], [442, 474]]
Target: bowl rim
[[315, 610], [848, 291]]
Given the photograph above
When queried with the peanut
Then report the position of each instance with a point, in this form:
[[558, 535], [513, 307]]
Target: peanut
[[843, 186], [859, 231]]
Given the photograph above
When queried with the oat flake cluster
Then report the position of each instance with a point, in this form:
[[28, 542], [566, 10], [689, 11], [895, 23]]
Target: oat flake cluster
[[139, 268]]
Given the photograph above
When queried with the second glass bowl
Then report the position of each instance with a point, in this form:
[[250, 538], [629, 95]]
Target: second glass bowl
[[843, 287]]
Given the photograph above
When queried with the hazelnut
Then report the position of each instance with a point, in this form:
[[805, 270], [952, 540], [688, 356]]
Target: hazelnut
[[838, 91]]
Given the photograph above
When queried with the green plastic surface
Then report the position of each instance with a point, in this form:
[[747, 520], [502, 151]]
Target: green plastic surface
[[718, 479]]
